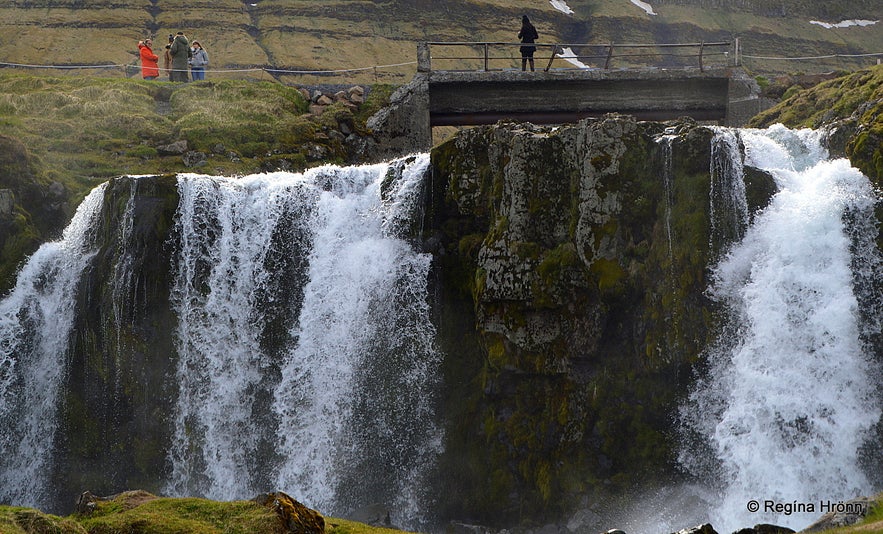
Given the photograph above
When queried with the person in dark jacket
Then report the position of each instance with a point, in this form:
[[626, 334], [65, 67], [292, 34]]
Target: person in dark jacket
[[528, 34], [180, 52]]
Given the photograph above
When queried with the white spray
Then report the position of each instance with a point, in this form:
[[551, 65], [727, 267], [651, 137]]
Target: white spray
[[35, 326], [787, 402]]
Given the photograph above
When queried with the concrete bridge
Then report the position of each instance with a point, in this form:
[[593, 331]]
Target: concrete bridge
[[722, 94]]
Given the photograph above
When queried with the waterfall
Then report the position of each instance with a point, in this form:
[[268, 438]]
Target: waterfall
[[35, 324], [728, 208], [667, 179], [306, 357], [788, 398]]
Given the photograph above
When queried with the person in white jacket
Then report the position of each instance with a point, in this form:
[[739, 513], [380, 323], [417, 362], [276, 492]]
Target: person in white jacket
[[198, 62]]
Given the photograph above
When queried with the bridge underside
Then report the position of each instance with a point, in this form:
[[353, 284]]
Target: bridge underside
[[469, 98]]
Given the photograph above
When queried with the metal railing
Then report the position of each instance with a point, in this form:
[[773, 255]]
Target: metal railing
[[487, 56]]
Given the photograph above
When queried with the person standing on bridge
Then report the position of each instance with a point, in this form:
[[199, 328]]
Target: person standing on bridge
[[528, 34]]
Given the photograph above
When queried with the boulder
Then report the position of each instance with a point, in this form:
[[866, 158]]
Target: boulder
[[173, 149], [699, 529], [296, 518], [194, 158]]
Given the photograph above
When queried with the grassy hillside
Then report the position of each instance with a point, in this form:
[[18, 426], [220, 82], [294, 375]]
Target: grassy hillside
[[62, 136], [138, 511], [350, 34]]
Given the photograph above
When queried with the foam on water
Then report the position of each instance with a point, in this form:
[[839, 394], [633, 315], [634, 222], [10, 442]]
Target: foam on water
[[788, 401]]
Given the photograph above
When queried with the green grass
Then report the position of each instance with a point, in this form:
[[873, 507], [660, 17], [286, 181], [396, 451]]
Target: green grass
[[85, 130], [871, 524], [146, 514]]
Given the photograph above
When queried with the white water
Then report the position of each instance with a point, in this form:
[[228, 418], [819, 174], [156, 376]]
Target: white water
[[728, 207], [35, 325], [667, 179], [351, 380], [788, 400]]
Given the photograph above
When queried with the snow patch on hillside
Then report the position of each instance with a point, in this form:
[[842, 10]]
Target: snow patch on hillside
[[567, 55], [645, 6], [844, 23], [561, 6]]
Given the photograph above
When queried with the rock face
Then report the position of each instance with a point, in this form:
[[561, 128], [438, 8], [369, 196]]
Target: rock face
[[570, 271], [116, 408], [31, 207], [572, 275]]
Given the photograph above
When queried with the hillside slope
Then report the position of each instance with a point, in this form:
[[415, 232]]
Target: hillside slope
[[351, 34]]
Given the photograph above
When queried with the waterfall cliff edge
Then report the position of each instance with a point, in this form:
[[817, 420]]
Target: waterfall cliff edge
[[526, 325]]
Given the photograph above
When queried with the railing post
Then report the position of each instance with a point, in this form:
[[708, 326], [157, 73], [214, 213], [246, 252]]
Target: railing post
[[701, 48], [485, 57], [609, 56], [424, 60], [554, 50]]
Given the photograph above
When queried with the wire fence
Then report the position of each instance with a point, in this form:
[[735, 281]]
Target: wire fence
[[131, 69], [562, 54]]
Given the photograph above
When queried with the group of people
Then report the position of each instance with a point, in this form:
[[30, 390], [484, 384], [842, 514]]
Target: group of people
[[182, 60], [182, 57]]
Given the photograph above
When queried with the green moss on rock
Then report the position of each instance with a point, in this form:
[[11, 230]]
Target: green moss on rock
[[585, 307]]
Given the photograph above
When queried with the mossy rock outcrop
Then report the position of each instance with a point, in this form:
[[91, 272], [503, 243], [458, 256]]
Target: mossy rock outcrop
[[583, 268], [32, 208]]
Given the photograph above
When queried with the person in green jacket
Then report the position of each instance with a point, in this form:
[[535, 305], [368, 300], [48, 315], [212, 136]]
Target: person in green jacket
[[180, 52]]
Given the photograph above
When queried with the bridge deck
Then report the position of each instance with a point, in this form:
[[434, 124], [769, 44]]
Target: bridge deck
[[484, 97]]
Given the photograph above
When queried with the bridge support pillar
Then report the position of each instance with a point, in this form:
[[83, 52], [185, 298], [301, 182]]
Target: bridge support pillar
[[403, 126]]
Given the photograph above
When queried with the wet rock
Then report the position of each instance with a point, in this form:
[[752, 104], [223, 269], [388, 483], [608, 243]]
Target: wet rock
[[87, 503], [296, 518], [842, 514], [699, 529]]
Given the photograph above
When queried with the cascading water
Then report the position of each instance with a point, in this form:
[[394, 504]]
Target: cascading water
[[306, 358], [35, 323], [728, 208], [788, 399]]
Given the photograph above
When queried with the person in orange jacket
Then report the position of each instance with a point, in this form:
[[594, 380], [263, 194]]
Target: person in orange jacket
[[149, 66]]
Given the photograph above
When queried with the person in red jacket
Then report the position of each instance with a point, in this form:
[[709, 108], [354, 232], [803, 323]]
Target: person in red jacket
[[149, 66]]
